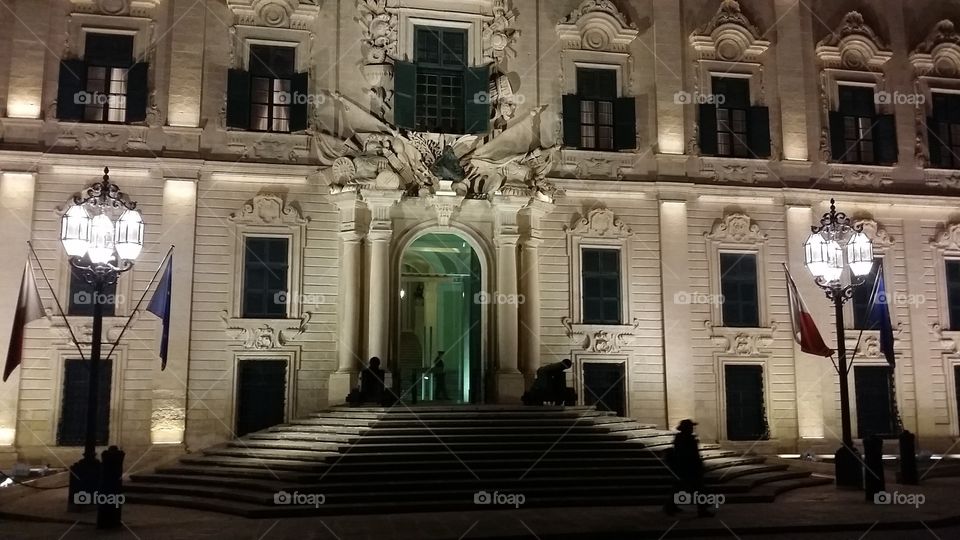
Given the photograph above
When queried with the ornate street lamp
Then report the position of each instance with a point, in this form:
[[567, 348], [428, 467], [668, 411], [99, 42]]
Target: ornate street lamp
[[102, 233], [837, 245]]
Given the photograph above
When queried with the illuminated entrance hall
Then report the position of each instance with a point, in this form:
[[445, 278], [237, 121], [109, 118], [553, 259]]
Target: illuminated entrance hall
[[439, 322]]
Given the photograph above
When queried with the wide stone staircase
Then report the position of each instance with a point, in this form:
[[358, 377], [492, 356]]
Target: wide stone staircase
[[402, 459]]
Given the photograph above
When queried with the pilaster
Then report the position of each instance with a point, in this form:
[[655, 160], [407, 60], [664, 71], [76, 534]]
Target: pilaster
[[529, 337], [675, 279], [349, 301], [506, 238], [379, 203]]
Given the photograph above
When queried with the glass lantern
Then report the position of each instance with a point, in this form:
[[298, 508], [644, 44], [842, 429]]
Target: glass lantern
[[834, 261], [860, 254], [129, 235], [75, 231], [815, 255], [101, 240]]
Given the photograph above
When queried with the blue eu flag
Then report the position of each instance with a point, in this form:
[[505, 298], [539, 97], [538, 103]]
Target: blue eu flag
[[160, 306], [879, 317]]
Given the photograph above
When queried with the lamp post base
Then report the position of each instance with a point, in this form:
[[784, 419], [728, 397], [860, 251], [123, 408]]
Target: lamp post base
[[84, 482], [848, 467]]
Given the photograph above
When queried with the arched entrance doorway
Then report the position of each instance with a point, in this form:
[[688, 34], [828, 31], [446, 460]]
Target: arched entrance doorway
[[440, 320]]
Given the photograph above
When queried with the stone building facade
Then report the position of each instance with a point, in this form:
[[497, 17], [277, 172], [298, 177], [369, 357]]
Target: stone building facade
[[611, 170]]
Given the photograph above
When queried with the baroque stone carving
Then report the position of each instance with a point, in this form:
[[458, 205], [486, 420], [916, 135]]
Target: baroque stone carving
[[741, 342], [297, 14], [939, 54], [263, 334], [729, 36], [276, 147], [947, 238], [854, 177], [135, 8], [498, 33], [268, 209], [736, 228], [722, 170], [597, 25], [943, 180], [876, 232], [853, 45], [947, 343], [95, 137], [378, 25], [600, 222], [602, 339]]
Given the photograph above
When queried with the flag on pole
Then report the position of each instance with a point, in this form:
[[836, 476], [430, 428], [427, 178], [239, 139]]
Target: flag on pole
[[160, 306], [805, 331], [878, 318], [29, 308]]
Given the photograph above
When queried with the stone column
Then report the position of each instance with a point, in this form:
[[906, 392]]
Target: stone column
[[675, 278], [669, 44], [509, 380], [349, 300], [530, 287], [178, 224], [378, 274], [16, 208]]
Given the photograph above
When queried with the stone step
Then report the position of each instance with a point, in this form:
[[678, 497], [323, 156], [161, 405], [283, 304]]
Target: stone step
[[206, 479], [272, 453], [731, 472], [284, 444], [375, 438], [256, 474], [301, 436], [548, 445], [491, 431], [263, 464]]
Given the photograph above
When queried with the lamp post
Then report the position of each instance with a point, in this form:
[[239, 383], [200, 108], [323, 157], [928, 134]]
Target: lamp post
[[835, 246], [102, 234]]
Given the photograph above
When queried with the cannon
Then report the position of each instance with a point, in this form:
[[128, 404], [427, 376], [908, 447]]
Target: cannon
[[550, 386]]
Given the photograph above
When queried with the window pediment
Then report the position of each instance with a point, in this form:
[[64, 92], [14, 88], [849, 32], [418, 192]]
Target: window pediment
[[297, 14], [854, 46], [736, 228], [597, 25], [268, 209], [135, 8], [939, 54], [600, 222], [729, 36]]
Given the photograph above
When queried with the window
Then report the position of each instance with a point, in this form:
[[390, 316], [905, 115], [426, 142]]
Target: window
[[858, 134], [271, 96], [266, 262], [730, 126], [595, 118], [71, 427], [862, 296], [438, 92], [107, 85], [83, 297], [953, 292], [600, 269], [746, 419], [261, 394], [943, 131], [738, 284]]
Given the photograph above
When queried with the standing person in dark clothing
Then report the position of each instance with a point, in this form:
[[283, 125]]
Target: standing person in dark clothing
[[687, 466], [439, 378]]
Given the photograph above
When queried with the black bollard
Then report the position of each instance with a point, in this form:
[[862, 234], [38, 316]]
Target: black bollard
[[110, 495], [908, 458], [873, 481]]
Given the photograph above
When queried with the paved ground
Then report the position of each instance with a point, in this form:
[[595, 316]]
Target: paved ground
[[825, 512]]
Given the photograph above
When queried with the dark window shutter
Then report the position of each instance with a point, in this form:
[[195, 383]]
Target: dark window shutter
[[625, 123], [137, 92], [238, 99], [933, 142], [838, 147], [476, 99], [73, 79], [708, 129], [571, 121], [405, 94], [299, 110], [759, 131], [885, 135]]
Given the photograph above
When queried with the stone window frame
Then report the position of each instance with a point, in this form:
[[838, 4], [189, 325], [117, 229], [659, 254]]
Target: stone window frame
[[63, 352], [412, 18], [945, 246], [737, 233], [245, 36], [722, 361], [581, 357], [603, 230], [936, 62], [865, 361], [292, 357], [950, 363]]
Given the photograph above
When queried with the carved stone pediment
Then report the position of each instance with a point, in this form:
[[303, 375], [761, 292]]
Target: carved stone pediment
[[729, 36], [875, 232], [602, 339], [939, 54], [600, 222], [736, 228], [947, 238], [135, 8], [297, 14], [741, 341], [268, 209], [597, 25], [854, 46], [265, 334]]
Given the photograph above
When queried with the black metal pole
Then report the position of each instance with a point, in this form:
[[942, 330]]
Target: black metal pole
[[847, 462], [90, 443]]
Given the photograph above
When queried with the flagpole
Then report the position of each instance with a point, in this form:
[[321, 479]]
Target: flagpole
[[56, 301], [144, 295]]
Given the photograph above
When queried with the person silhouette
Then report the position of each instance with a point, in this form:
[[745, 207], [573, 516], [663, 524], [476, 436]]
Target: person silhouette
[[685, 463], [371, 381], [439, 378]]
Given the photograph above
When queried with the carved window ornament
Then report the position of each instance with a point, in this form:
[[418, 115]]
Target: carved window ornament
[[597, 25], [735, 233], [602, 229], [133, 8], [729, 36], [939, 54], [878, 235], [268, 214], [936, 63], [853, 46], [736, 228], [295, 14]]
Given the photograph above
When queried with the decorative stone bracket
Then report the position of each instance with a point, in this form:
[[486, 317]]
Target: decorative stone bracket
[[947, 339], [264, 334], [601, 338], [741, 341]]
